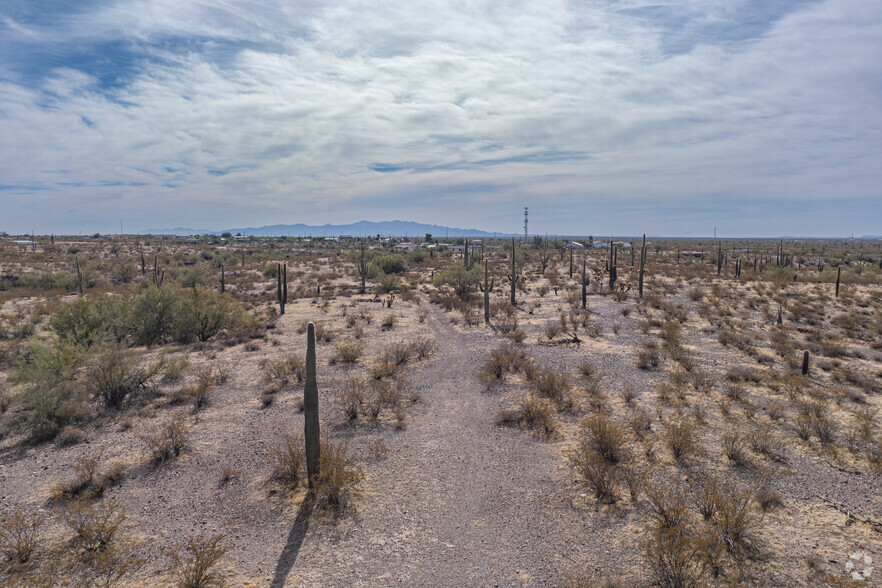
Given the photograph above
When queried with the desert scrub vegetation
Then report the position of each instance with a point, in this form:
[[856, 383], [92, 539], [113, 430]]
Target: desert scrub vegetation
[[168, 442], [20, 535], [153, 315], [339, 476], [194, 562], [505, 359], [94, 524], [285, 371]]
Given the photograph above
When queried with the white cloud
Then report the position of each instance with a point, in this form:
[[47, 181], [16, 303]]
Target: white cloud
[[251, 113]]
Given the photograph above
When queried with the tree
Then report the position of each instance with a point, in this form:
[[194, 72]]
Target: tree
[[428, 237]]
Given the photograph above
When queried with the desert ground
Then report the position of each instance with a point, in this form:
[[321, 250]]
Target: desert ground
[[152, 413]]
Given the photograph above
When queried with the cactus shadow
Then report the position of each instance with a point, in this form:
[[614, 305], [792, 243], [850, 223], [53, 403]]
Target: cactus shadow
[[292, 546]]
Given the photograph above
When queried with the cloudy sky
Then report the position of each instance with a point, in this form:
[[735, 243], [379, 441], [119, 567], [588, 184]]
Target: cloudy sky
[[669, 117]]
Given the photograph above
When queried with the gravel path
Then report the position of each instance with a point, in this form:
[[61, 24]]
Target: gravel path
[[458, 502]]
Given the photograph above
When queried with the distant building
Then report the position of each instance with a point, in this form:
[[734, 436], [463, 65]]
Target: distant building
[[574, 245]]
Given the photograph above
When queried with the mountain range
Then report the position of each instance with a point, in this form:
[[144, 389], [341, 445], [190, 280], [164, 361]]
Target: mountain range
[[396, 228]]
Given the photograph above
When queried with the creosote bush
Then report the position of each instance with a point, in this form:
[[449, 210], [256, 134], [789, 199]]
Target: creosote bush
[[338, 477], [284, 372], [289, 460], [168, 442], [605, 438], [19, 534], [193, 563], [94, 524], [347, 352], [116, 375]]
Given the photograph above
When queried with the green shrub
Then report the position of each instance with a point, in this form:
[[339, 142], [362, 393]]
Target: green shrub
[[462, 281], [203, 313], [79, 323], [154, 311], [388, 264], [115, 375], [51, 398]]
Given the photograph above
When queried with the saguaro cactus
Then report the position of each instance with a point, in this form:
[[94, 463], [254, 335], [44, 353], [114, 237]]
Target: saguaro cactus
[[805, 363], [571, 263], [310, 409], [584, 282], [642, 267], [486, 288], [613, 271], [514, 270], [362, 269], [223, 281], [838, 275], [282, 286]]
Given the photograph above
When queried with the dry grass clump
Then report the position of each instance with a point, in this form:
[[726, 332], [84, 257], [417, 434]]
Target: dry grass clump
[[86, 481], [648, 356], [605, 438], [423, 347], [505, 359], [553, 385], [679, 435], [94, 524], [20, 534], [338, 477], [70, 435], [347, 352], [533, 413], [681, 552], [168, 442], [193, 562], [600, 459], [289, 459], [376, 450], [735, 447], [200, 392], [350, 397], [284, 372], [397, 354], [174, 369]]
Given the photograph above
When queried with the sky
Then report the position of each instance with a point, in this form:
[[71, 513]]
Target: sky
[[670, 118]]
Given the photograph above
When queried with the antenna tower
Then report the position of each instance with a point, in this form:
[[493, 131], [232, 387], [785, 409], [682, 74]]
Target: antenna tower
[[525, 224]]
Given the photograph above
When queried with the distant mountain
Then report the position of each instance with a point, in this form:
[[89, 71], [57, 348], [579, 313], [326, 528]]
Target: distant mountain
[[177, 231], [394, 228]]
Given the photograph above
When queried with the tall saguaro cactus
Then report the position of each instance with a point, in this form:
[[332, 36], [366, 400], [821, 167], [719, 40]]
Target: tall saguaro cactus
[[310, 409], [838, 275], [613, 270], [362, 269], [486, 288], [571, 263], [282, 286], [584, 281], [514, 270], [642, 267]]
